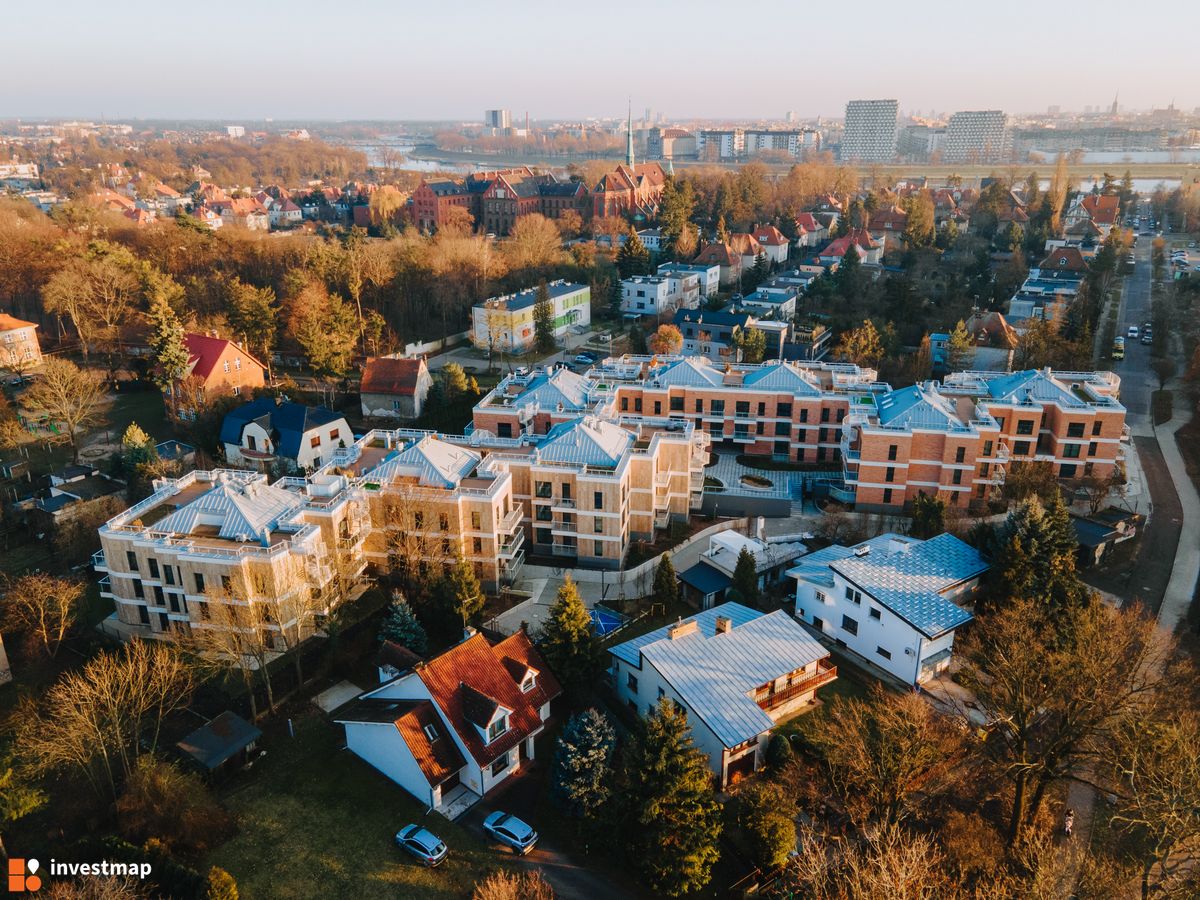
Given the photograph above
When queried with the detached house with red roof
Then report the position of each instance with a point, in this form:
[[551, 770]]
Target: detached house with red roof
[[394, 388], [19, 348], [870, 253], [810, 232], [450, 730], [773, 243], [1101, 211], [217, 366]]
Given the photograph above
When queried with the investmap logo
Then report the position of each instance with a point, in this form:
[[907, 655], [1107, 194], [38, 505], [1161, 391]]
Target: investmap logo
[[23, 876]]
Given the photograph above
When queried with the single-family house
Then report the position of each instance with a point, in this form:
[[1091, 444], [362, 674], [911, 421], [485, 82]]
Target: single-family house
[[216, 365], [273, 432], [773, 243], [870, 252], [707, 582], [734, 672], [728, 261], [895, 601], [450, 730], [19, 348], [708, 277], [394, 388]]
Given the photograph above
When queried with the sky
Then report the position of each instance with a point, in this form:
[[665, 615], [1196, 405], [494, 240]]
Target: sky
[[401, 59]]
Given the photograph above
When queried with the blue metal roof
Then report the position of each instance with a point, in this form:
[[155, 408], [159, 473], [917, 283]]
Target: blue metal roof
[[291, 420], [705, 578]]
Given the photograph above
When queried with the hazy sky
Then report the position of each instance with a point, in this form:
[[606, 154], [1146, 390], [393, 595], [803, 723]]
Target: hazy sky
[[398, 59]]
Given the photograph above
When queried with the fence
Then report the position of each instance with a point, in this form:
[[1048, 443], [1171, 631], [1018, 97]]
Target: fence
[[435, 346]]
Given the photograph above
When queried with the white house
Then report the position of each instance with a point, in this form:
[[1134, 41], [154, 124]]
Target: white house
[[707, 582], [708, 276], [653, 295], [651, 238], [451, 729], [734, 671], [271, 431], [777, 303], [891, 599]]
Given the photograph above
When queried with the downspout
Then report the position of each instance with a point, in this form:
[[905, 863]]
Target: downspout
[[917, 671]]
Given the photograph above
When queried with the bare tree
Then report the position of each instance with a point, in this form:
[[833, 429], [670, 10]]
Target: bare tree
[[101, 718], [68, 394], [42, 606]]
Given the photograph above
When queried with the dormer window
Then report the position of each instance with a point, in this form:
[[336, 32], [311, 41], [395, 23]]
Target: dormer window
[[497, 728], [431, 732], [529, 682]]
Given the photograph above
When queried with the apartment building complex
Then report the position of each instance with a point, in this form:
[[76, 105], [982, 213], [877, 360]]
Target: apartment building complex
[[956, 439], [977, 136], [495, 200], [871, 131], [788, 410], [507, 323]]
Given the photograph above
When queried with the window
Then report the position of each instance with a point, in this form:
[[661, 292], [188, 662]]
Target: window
[[717, 408], [160, 598], [1067, 471], [1025, 426], [497, 728], [131, 558], [314, 441], [677, 404], [542, 513], [1020, 448], [824, 413], [886, 654], [153, 563], [598, 500], [850, 625], [476, 521], [876, 614], [431, 732], [528, 682], [803, 415], [1095, 428], [225, 365], [661, 693], [226, 583], [783, 410], [699, 405], [987, 448], [174, 600], [960, 454], [956, 478], [1075, 429], [742, 408], [1071, 451], [892, 451], [477, 546], [144, 615], [657, 407], [598, 548], [1091, 449], [237, 364], [818, 623], [890, 475], [170, 574], [333, 435], [782, 429], [543, 535], [887, 495], [597, 525], [542, 489], [500, 765], [631, 682], [853, 596], [139, 591], [443, 522]]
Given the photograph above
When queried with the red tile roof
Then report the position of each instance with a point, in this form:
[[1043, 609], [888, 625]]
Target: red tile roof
[[438, 759], [806, 221], [717, 253], [841, 246], [388, 375], [769, 236], [745, 245], [9, 323], [471, 677], [1064, 259], [891, 218], [206, 352]]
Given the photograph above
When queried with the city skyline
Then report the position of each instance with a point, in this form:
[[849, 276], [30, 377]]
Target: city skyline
[[395, 72]]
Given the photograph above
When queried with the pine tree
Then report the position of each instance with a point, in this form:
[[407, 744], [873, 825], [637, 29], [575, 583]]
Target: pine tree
[[666, 585], [633, 258], [744, 587], [928, 516], [569, 643], [1035, 556], [961, 348], [543, 320], [848, 277], [581, 776], [637, 339], [616, 296], [758, 272], [671, 818], [166, 337], [722, 230], [402, 626], [462, 597]]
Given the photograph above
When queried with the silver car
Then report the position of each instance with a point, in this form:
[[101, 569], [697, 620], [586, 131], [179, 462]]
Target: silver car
[[421, 843], [511, 831]]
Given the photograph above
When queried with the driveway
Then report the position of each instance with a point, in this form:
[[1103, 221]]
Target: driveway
[[522, 796]]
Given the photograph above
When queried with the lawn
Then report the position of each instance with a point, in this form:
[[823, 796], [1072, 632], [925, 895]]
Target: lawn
[[316, 821]]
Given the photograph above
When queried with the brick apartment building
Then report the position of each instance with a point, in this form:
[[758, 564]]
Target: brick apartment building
[[955, 440], [496, 200]]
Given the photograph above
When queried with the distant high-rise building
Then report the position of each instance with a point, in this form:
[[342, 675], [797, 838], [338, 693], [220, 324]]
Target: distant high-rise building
[[977, 136], [497, 118], [870, 133], [792, 117], [235, 131]]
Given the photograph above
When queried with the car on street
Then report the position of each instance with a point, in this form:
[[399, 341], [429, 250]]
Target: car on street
[[1133, 331], [511, 831], [583, 359], [1147, 338], [421, 843]]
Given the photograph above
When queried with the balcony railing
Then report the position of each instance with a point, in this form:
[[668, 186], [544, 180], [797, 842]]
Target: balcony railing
[[99, 563], [826, 672], [511, 520]]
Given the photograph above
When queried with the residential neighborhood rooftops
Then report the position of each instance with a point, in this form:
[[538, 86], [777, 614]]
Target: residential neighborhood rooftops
[[389, 375], [290, 421], [716, 672]]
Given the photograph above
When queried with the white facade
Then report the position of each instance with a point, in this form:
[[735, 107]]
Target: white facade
[[871, 130], [316, 445], [653, 295], [708, 278], [977, 136]]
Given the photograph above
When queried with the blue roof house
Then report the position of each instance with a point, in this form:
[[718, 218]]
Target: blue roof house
[[734, 671], [273, 433], [893, 600]]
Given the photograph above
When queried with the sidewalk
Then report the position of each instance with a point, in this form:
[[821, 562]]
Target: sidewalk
[[1184, 573]]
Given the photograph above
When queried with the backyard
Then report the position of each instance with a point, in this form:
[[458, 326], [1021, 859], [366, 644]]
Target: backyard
[[316, 821]]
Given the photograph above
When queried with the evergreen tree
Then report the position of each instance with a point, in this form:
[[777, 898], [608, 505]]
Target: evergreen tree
[[928, 516], [569, 643], [744, 587], [666, 585], [616, 296], [671, 819], [253, 316], [1035, 556], [722, 230], [961, 348], [758, 272], [581, 776], [637, 339], [848, 277], [543, 320], [675, 211], [462, 597], [633, 258], [166, 337], [454, 381], [402, 626]]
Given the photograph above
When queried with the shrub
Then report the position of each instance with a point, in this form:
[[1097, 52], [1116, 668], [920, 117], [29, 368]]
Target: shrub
[[221, 885], [779, 752], [164, 803], [501, 885]]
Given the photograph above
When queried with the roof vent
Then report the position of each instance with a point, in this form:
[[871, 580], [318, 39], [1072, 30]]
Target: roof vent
[[862, 551]]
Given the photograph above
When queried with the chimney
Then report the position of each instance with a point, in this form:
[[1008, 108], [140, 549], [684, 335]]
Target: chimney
[[682, 629], [724, 624]]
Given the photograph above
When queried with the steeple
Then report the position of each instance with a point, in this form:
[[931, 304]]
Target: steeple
[[629, 136]]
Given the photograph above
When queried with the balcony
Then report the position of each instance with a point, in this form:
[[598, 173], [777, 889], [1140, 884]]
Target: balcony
[[563, 503], [511, 520], [767, 701], [512, 547], [106, 588], [561, 527], [99, 563]]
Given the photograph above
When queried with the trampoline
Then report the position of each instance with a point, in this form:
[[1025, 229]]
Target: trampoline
[[606, 621]]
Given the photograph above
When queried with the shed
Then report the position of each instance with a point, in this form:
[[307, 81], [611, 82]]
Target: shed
[[704, 586], [221, 745]]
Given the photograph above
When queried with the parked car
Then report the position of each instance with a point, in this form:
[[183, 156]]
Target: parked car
[[421, 843], [521, 371], [511, 831], [583, 360]]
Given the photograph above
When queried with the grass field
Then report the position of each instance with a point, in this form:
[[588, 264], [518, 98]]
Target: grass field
[[316, 821]]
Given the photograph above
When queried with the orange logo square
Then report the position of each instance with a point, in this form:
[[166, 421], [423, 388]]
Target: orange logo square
[[22, 875]]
